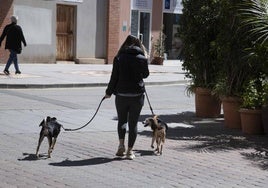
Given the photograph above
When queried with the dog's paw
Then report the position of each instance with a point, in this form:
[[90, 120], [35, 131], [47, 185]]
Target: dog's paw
[[152, 146]]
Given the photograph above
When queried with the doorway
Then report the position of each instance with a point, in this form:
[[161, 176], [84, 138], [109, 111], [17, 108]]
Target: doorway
[[141, 26], [65, 32]]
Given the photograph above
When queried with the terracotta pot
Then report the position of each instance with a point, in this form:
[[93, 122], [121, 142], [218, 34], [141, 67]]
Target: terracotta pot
[[157, 61], [251, 121], [231, 106], [206, 105], [265, 119]]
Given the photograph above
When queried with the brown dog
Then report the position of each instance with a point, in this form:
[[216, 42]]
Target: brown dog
[[159, 129], [50, 129]]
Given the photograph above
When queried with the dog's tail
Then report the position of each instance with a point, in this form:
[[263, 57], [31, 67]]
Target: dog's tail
[[166, 125]]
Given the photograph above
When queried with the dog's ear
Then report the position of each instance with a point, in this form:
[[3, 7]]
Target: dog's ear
[[48, 118], [155, 120], [42, 123]]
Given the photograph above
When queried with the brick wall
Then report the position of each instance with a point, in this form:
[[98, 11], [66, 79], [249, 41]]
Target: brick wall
[[157, 21], [125, 12], [118, 12], [113, 32], [6, 11]]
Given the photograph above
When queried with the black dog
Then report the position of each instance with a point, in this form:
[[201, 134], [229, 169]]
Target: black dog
[[50, 129]]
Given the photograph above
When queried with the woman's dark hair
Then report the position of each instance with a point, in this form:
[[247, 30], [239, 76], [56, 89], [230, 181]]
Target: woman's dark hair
[[133, 41]]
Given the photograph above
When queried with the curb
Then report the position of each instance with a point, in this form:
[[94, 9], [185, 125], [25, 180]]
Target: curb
[[77, 85]]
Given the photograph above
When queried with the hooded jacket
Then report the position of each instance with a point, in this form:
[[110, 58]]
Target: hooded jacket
[[14, 37], [130, 66]]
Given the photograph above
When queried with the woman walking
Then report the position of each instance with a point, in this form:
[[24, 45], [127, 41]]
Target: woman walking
[[14, 37], [130, 66]]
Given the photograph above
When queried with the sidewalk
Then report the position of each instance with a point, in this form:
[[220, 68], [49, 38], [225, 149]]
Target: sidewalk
[[82, 75]]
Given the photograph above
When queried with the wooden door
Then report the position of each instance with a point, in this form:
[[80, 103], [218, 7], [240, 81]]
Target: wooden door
[[65, 32]]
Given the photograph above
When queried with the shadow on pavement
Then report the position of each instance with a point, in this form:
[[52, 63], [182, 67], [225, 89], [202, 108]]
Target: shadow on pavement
[[259, 157], [32, 157], [145, 152], [210, 135], [85, 162]]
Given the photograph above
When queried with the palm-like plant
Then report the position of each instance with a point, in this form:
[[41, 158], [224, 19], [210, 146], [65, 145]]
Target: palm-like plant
[[198, 29], [230, 45], [254, 14]]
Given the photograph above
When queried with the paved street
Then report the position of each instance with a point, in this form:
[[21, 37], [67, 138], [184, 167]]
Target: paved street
[[197, 152]]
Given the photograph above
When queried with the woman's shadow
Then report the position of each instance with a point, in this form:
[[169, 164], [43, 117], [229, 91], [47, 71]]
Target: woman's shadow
[[67, 162], [84, 162]]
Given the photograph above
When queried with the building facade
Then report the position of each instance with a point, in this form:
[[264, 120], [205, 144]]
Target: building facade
[[87, 31]]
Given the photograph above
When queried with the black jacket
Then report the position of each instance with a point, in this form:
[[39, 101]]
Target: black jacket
[[14, 37], [129, 69]]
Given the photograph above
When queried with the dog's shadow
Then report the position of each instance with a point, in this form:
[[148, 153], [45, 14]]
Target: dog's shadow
[[145, 152], [32, 157]]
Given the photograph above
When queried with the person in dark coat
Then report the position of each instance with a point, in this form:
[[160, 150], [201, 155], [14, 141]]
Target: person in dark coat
[[14, 37], [130, 66]]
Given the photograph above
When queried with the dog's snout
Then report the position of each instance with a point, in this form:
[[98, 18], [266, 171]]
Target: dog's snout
[[145, 123]]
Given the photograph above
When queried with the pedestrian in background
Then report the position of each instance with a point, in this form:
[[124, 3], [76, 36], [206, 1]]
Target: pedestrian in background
[[14, 37], [130, 66]]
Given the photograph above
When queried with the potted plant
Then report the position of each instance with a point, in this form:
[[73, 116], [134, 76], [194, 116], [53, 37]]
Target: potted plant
[[253, 100], [258, 54], [230, 45], [198, 28], [159, 49], [265, 108], [255, 96], [254, 15]]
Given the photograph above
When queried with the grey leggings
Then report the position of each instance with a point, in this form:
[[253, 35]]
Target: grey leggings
[[128, 112]]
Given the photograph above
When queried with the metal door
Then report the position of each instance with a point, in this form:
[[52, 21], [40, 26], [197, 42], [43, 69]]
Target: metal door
[[140, 26]]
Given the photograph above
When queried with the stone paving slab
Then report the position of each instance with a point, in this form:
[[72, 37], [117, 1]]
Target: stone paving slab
[[202, 154], [197, 152]]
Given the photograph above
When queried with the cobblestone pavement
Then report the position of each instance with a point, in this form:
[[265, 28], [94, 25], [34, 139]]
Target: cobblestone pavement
[[197, 152]]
